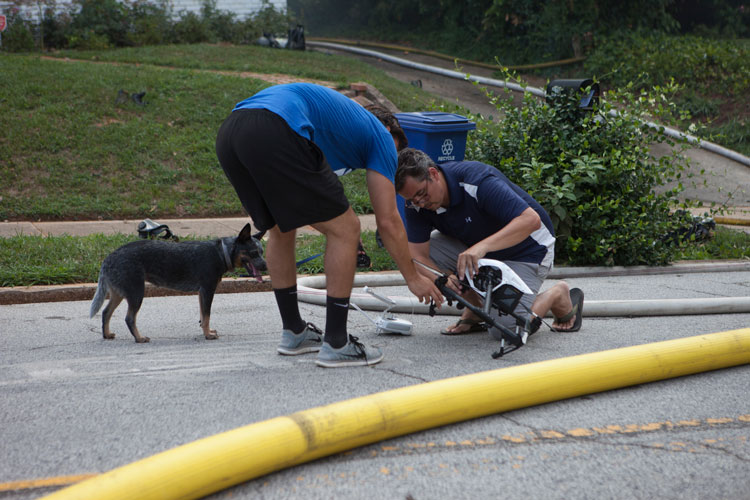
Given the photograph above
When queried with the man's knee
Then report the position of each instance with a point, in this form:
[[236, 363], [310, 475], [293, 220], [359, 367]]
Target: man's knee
[[345, 226], [444, 250], [349, 226]]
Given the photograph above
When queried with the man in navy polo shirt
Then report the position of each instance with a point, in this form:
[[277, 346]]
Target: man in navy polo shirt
[[460, 212]]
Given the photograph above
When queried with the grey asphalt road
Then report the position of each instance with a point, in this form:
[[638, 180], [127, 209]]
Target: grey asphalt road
[[73, 403]]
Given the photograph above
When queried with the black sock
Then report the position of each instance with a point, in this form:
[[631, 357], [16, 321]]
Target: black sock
[[286, 299], [337, 312]]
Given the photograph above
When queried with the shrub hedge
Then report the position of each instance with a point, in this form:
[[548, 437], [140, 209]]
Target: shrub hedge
[[592, 172], [101, 24]]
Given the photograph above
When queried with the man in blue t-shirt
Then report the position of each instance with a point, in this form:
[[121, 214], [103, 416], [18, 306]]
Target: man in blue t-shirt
[[283, 150], [460, 212]]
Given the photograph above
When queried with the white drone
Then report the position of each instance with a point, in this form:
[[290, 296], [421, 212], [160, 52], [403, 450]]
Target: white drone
[[500, 287]]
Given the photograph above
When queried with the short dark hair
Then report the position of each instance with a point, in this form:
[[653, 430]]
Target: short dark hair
[[412, 163], [390, 121]]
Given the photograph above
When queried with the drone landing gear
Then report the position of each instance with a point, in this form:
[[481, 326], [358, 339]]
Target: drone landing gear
[[504, 297]]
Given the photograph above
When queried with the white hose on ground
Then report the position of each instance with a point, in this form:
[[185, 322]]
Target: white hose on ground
[[311, 289]]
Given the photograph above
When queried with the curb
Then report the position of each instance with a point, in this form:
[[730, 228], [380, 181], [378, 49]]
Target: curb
[[85, 291]]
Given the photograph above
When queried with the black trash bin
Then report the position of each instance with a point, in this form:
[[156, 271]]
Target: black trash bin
[[586, 88]]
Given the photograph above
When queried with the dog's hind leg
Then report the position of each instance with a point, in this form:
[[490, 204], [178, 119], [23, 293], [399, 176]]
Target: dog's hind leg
[[134, 304], [114, 301], [205, 298]]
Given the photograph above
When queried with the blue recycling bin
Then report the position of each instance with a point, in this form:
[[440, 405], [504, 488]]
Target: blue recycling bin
[[441, 135]]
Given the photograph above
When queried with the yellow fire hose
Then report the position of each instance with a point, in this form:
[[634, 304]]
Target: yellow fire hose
[[217, 462], [732, 221]]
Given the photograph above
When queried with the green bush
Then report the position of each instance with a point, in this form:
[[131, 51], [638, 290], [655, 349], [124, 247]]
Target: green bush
[[101, 24], [54, 28], [271, 20], [516, 32], [151, 23], [18, 35], [88, 40], [714, 76], [592, 172], [98, 24], [707, 65], [221, 24], [191, 29]]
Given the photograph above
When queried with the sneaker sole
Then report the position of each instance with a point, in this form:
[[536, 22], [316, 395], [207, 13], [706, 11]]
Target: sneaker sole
[[356, 362], [295, 352]]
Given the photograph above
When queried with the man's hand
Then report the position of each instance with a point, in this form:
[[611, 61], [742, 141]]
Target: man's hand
[[425, 290], [468, 261], [454, 284], [513, 233]]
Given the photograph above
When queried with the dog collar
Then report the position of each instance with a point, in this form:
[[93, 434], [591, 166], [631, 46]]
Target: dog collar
[[227, 259]]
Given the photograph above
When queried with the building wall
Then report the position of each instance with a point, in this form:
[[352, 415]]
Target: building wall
[[242, 8]]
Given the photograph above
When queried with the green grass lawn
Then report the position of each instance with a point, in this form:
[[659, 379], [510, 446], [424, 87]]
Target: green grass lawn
[[70, 151], [58, 260], [40, 260]]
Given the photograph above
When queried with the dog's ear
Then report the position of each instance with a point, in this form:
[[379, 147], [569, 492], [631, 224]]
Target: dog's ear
[[246, 233]]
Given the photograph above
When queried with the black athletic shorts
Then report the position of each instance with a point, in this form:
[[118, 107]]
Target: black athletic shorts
[[280, 177]]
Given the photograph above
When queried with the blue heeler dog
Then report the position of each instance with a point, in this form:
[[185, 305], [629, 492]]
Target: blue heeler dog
[[186, 266]]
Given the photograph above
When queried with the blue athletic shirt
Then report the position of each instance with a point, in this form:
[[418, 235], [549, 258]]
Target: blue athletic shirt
[[483, 201], [349, 136]]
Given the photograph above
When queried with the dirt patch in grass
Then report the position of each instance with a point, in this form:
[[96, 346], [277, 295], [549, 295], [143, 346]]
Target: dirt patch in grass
[[107, 121], [270, 78], [729, 109]]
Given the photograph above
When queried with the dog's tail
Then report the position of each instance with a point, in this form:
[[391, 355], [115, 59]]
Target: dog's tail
[[101, 293]]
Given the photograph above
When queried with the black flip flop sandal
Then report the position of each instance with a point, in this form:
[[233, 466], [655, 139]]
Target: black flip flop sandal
[[576, 297]]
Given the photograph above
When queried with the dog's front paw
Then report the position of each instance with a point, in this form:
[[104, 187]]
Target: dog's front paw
[[211, 335], [108, 336], [142, 340]]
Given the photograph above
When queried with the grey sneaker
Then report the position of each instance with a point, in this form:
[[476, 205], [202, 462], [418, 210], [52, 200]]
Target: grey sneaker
[[354, 353], [309, 340]]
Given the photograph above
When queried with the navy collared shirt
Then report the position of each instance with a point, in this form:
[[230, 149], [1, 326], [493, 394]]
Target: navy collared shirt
[[482, 202]]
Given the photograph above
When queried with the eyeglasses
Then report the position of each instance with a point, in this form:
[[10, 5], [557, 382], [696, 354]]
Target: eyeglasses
[[421, 195]]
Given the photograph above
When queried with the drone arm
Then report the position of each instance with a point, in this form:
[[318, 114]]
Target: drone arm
[[421, 253], [512, 337]]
